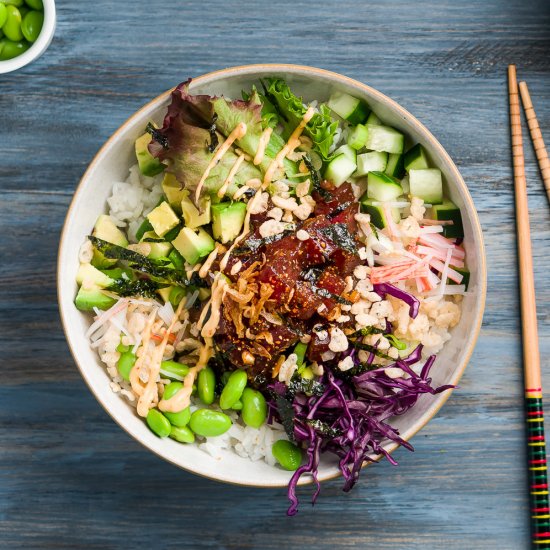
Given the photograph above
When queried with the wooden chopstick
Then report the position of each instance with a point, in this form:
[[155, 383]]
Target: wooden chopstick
[[536, 446], [536, 136]]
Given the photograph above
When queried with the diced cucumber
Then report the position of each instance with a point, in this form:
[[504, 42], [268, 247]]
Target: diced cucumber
[[162, 218], [377, 213], [465, 277], [350, 108], [416, 159], [373, 119], [396, 165], [358, 137], [350, 152], [227, 220], [381, 187], [193, 246], [427, 185], [339, 169], [447, 210], [374, 161], [384, 138]]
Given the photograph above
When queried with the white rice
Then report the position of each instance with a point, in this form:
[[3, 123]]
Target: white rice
[[130, 200]]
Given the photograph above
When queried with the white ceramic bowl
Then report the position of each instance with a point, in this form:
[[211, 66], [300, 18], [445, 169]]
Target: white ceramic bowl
[[112, 163], [39, 47]]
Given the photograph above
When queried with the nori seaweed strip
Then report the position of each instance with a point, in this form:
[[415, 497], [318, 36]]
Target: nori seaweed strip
[[339, 209], [305, 385], [339, 234], [155, 269], [253, 244], [286, 414], [139, 287], [372, 349], [367, 331], [316, 179], [213, 136], [323, 428], [311, 275], [157, 135], [323, 292]]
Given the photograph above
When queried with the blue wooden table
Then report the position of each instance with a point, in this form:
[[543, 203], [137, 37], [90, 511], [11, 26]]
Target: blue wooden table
[[69, 477]]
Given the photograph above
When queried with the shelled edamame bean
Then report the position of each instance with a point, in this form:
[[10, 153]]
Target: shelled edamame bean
[[287, 454], [158, 423], [209, 423], [206, 385], [181, 418], [254, 411], [233, 389], [21, 22]]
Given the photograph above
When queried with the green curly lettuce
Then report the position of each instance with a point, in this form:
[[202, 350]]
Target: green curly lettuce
[[321, 128]]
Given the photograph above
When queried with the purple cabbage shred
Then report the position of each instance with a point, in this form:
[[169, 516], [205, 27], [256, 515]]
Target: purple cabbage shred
[[357, 412]]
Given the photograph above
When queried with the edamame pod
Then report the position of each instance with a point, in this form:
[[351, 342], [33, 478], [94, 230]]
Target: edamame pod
[[180, 418], [206, 385], [182, 434], [287, 454], [3, 14], [233, 390], [158, 423], [32, 25], [12, 26], [209, 423], [35, 4], [254, 410], [9, 49], [125, 364], [173, 370]]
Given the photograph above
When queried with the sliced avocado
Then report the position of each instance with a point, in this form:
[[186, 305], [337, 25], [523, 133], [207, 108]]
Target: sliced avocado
[[159, 247], [106, 230], [191, 215], [204, 294], [173, 190], [148, 165], [162, 218], [227, 220], [88, 298], [193, 246], [165, 293], [88, 276]]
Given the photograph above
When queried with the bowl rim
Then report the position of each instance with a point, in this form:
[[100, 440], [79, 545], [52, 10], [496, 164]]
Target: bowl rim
[[434, 143], [39, 46]]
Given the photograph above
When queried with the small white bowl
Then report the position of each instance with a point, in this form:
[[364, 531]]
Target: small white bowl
[[111, 164], [38, 47]]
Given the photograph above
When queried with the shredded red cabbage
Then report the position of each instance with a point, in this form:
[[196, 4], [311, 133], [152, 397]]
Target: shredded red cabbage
[[353, 415], [385, 288]]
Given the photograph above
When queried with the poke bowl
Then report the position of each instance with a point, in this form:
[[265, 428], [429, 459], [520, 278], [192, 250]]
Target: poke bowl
[[272, 274]]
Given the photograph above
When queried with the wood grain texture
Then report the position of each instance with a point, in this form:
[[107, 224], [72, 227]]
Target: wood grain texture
[[69, 477]]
